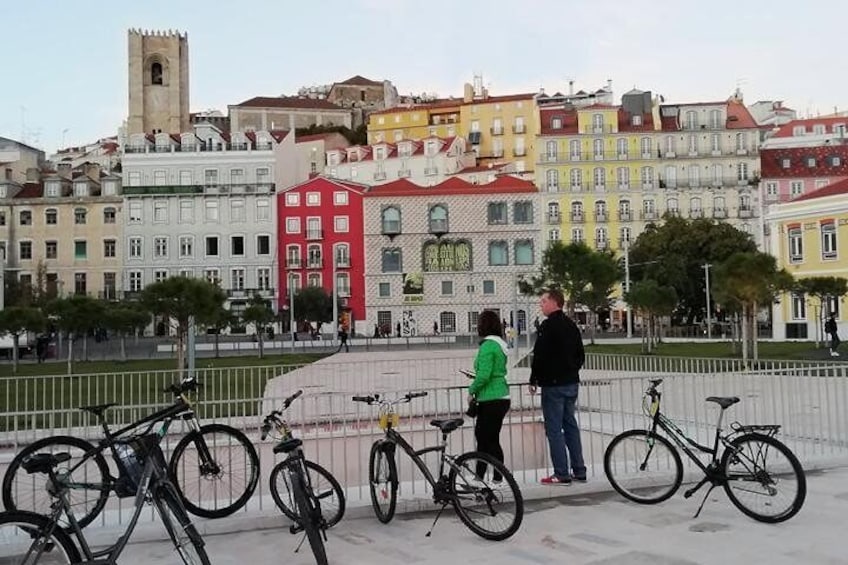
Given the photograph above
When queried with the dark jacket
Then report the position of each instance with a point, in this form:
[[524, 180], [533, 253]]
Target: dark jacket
[[558, 353]]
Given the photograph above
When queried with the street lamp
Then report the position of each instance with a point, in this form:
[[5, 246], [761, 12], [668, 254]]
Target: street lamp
[[706, 267], [292, 328], [335, 300]]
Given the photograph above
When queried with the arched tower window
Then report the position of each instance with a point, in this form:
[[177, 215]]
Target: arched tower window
[[156, 76]]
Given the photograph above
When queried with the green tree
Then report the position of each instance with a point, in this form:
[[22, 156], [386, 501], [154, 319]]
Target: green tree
[[76, 315], [219, 321], [178, 299], [313, 304], [746, 281], [603, 273], [125, 318], [651, 300], [18, 320], [260, 314], [822, 289]]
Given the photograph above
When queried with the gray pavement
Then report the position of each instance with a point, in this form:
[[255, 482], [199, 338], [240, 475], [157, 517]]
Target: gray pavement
[[583, 524]]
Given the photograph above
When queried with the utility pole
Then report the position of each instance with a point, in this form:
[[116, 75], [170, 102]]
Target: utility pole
[[627, 287], [291, 312], [706, 267], [190, 345], [335, 304]]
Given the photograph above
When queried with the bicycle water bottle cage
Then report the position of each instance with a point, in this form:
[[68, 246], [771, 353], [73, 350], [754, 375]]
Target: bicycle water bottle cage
[[129, 470]]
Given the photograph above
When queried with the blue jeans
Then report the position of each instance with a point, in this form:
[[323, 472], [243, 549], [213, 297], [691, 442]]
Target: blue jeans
[[558, 406]]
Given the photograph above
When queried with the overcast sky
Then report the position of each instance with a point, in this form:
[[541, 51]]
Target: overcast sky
[[64, 63]]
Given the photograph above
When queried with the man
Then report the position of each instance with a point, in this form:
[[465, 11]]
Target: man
[[343, 340], [558, 356], [831, 330]]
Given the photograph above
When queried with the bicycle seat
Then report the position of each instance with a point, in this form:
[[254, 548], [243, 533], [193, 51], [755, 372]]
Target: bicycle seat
[[98, 409], [449, 425], [724, 401], [288, 445], [43, 462]]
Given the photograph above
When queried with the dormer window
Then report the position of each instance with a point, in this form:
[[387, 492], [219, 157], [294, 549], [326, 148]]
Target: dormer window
[[53, 189], [786, 163], [109, 188], [431, 148], [637, 120], [80, 189], [811, 162], [405, 149], [556, 123], [818, 129], [333, 158], [353, 156], [379, 153], [799, 130]]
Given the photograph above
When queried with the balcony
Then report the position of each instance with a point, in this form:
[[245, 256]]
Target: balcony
[[404, 173], [380, 175], [649, 216], [648, 185], [163, 148], [549, 158], [315, 263], [719, 213], [430, 171], [554, 217], [622, 156], [497, 152], [741, 151], [519, 128], [715, 153], [625, 216], [108, 293], [746, 212], [292, 263], [600, 187], [342, 262], [577, 217], [601, 217], [315, 235], [673, 212], [670, 155], [391, 228], [211, 187], [696, 214], [647, 155], [624, 242], [598, 155], [577, 187], [498, 130], [624, 186], [575, 156], [601, 244], [552, 187], [519, 152], [598, 129]]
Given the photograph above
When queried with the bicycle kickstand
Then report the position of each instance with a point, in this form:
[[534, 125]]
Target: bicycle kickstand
[[438, 515], [706, 496]]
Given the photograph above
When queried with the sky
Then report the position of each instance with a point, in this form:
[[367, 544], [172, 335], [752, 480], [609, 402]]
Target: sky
[[65, 80]]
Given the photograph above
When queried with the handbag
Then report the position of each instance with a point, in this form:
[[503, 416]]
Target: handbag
[[473, 405]]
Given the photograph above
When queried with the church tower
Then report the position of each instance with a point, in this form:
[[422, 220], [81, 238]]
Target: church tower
[[158, 82]]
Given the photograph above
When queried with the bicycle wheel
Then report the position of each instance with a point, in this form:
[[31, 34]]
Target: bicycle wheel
[[215, 470], [308, 516], [89, 478], [383, 480], [764, 478], [187, 540], [643, 467], [325, 488], [490, 508], [29, 538]]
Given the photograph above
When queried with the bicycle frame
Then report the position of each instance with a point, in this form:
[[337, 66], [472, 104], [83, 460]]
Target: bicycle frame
[[393, 438]]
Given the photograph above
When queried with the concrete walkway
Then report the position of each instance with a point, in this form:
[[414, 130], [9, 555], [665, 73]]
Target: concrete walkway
[[578, 527]]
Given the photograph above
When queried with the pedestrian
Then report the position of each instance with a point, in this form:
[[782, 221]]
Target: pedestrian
[[343, 340], [831, 330], [489, 389], [435, 328], [398, 329], [376, 330], [558, 356]]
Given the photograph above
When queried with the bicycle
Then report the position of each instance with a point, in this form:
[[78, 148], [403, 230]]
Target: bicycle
[[201, 464], [27, 538], [477, 485], [304, 498], [639, 463]]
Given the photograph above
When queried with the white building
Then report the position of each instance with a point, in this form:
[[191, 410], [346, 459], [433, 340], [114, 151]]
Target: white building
[[425, 162], [202, 204]]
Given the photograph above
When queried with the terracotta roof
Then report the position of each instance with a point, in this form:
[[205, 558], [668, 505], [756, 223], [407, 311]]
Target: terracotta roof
[[771, 161], [786, 129], [739, 117], [359, 80], [480, 169], [31, 190], [356, 187], [598, 106], [435, 105], [289, 102], [506, 98], [313, 137], [834, 189], [453, 186]]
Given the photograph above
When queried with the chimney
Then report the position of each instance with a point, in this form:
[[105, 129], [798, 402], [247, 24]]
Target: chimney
[[571, 87], [91, 170], [33, 174], [609, 84], [467, 93]]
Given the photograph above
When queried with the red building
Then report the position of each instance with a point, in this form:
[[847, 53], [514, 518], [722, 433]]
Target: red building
[[319, 234]]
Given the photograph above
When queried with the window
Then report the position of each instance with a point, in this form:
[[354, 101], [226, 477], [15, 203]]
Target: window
[[645, 144], [186, 246], [160, 178], [447, 288], [342, 255], [80, 216], [438, 219], [796, 245], [51, 217], [237, 210], [715, 119], [574, 149], [691, 120], [523, 252], [313, 198], [796, 188], [135, 248], [135, 211], [52, 190], [447, 322], [135, 281], [799, 307], [391, 260], [786, 163], [109, 248], [263, 244], [621, 148], [292, 225], [211, 210], [263, 210], [340, 198], [212, 246], [80, 284], [741, 142], [160, 211], [293, 256], [498, 253], [263, 278], [742, 172], [109, 215], [186, 211], [835, 161], [715, 144], [212, 275], [552, 180], [160, 275], [51, 250], [554, 234], [237, 279], [160, 247], [237, 246], [2, 218], [390, 217], [292, 199], [522, 212], [488, 287], [636, 120], [497, 213], [25, 248], [556, 123], [384, 290], [828, 239], [313, 280], [236, 176], [771, 189], [601, 238], [263, 175], [25, 218], [340, 224], [80, 250], [598, 148]]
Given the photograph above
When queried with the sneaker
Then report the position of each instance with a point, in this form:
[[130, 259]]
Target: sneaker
[[579, 479], [554, 480]]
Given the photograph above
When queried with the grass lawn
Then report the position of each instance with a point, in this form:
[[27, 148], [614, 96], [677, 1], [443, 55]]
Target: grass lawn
[[800, 351]]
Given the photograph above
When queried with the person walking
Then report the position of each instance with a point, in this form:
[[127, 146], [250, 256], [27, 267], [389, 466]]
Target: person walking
[[831, 330], [489, 388], [343, 340], [558, 355]]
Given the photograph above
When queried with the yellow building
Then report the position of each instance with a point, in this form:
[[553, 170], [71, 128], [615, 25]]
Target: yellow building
[[809, 237], [440, 119]]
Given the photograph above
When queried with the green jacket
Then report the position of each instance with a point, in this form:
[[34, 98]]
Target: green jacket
[[490, 370]]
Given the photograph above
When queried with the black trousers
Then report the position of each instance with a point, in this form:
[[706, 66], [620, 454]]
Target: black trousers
[[487, 431]]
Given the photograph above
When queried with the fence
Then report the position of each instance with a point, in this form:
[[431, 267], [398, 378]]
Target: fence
[[810, 400]]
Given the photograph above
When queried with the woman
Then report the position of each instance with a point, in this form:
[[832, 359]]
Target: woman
[[489, 387]]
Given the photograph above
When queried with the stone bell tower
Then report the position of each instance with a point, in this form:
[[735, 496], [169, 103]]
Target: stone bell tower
[[158, 82]]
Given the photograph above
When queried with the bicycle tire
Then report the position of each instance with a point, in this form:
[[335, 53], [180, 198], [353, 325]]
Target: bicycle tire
[[618, 455], [307, 517], [285, 500], [484, 492], [190, 546], [737, 453], [380, 492], [17, 526], [27, 492], [229, 490]]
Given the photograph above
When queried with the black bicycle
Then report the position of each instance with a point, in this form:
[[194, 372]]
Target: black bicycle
[[760, 475], [214, 467], [481, 489], [306, 492], [27, 538]]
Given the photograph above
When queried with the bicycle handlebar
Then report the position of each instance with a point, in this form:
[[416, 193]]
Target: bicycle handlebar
[[374, 399], [186, 385], [273, 417], [287, 402]]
